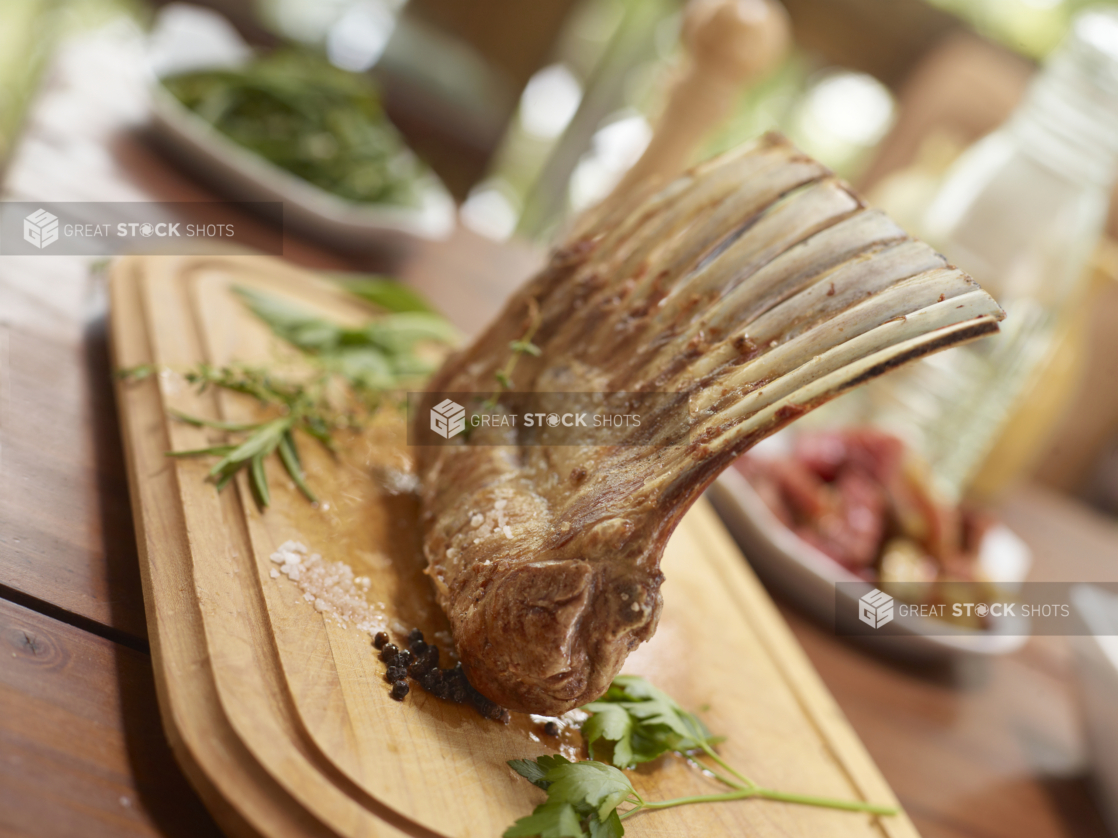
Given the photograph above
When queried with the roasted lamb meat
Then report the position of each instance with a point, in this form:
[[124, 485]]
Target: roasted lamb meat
[[758, 286]]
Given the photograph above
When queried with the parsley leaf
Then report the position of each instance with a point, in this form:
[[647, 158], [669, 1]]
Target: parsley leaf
[[549, 820], [643, 723], [611, 722], [582, 799], [534, 771], [590, 783], [609, 828]]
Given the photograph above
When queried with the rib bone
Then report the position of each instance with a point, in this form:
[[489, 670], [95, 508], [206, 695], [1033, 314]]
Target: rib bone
[[760, 286]]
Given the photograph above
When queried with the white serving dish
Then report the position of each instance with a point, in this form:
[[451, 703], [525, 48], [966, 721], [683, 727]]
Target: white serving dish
[[1096, 659], [808, 577], [184, 33]]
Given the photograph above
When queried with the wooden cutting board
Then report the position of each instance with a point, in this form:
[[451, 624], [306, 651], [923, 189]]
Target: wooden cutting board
[[280, 715]]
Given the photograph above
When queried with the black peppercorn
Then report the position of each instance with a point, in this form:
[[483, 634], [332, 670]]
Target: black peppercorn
[[420, 660], [551, 729]]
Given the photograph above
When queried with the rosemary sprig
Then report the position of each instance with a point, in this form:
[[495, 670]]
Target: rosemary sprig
[[379, 356], [301, 406]]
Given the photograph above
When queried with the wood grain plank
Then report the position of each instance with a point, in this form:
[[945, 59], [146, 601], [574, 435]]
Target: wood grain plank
[[81, 749], [65, 523]]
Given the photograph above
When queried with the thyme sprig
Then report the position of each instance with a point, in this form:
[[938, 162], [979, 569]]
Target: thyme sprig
[[521, 346]]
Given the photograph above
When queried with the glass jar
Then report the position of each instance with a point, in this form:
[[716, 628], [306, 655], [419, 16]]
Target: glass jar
[[1021, 211]]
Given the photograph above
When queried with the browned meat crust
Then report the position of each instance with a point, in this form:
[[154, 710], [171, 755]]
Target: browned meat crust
[[758, 285]]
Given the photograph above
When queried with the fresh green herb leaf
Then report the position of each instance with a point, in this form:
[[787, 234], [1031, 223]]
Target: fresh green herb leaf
[[412, 367], [384, 293], [210, 423], [399, 333], [643, 722], [609, 828], [259, 481], [302, 406], [582, 798], [549, 820], [366, 367], [379, 356], [290, 458], [589, 783], [320, 430], [215, 451], [534, 770], [262, 442], [290, 322], [136, 373], [317, 121], [522, 346], [613, 723]]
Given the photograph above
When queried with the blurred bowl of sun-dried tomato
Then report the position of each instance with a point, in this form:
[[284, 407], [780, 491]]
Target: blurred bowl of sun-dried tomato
[[855, 505]]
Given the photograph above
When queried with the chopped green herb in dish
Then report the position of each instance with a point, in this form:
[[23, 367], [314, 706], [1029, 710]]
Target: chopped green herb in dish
[[311, 118]]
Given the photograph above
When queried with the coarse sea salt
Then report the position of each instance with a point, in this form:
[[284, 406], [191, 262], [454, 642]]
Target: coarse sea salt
[[331, 587]]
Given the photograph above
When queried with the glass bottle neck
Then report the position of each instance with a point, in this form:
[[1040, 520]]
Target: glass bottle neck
[[1069, 124]]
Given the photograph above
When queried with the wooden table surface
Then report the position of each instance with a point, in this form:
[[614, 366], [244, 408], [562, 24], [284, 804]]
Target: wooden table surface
[[985, 752]]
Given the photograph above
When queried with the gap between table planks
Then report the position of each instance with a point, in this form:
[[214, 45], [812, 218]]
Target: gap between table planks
[[280, 717]]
